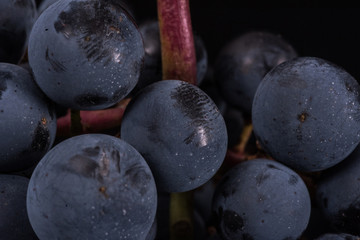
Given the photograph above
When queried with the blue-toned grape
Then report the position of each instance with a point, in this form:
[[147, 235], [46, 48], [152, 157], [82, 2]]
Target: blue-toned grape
[[337, 236], [45, 4], [16, 20], [14, 221], [152, 70], [27, 117], [92, 186], [261, 199], [179, 131], [338, 194], [243, 62], [86, 54], [306, 113]]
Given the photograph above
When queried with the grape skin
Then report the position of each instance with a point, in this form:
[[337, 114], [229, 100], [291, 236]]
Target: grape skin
[[28, 120], [86, 55], [243, 62], [179, 131], [93, 186], [338, 194], [14, 220], [261, 199], [306, 113], [337, 236]]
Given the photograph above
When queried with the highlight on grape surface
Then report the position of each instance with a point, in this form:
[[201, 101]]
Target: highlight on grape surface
[[125, 120]]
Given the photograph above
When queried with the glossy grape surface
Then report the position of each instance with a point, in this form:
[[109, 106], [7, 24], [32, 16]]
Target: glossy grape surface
[[92, 186], [243, 62], [14, 220], [27, 117], [261, 199], [86, 54], [338, 194], [179, 131], [306, 113]]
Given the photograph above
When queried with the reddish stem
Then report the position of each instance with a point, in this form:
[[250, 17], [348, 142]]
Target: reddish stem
[[178, 63], [177, 41], [93, 121]]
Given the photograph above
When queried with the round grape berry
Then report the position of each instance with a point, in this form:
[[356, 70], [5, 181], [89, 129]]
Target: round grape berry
[[86, 54], [261, 199], [27, 117], [306, 113], [92, 186], [179, 131]]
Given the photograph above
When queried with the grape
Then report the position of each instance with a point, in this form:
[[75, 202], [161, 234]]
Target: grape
[[45, 4], [16, 20], [153, 230], [306, 113], [243, 62], [235, 123], [261, 199], [86, 55], [152, 70], [338, 194], [92, 186], [28, 120], [337, 236], [14, 220], [179, 131]]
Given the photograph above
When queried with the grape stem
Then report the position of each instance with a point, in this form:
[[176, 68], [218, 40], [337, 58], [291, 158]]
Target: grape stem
[[177, 41], [91, 121], [75, 126], [178, 63], [181, 220]]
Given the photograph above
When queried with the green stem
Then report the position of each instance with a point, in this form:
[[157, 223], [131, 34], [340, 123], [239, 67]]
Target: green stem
[[181, 216]]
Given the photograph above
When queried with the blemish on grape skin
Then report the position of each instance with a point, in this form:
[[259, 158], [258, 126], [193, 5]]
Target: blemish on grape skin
[[41, 138], [55, 64], [195, 106], [261, 178], [102, 190], [293, 180], [139, 178], [85, 25], [303, 116], [83, 166]]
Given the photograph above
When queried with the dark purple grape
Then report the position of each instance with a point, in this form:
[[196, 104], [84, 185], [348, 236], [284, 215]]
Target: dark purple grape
[[243, 62], [306, 113], [337, 236], [16, 20], [261, 199], [86, 54], [92, 186], [45, 4], [152, 71], [27, 117], [338, 194], [179, 131], [14, 221]]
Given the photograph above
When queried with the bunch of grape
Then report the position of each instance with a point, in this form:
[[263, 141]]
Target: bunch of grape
[[264, 146]]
